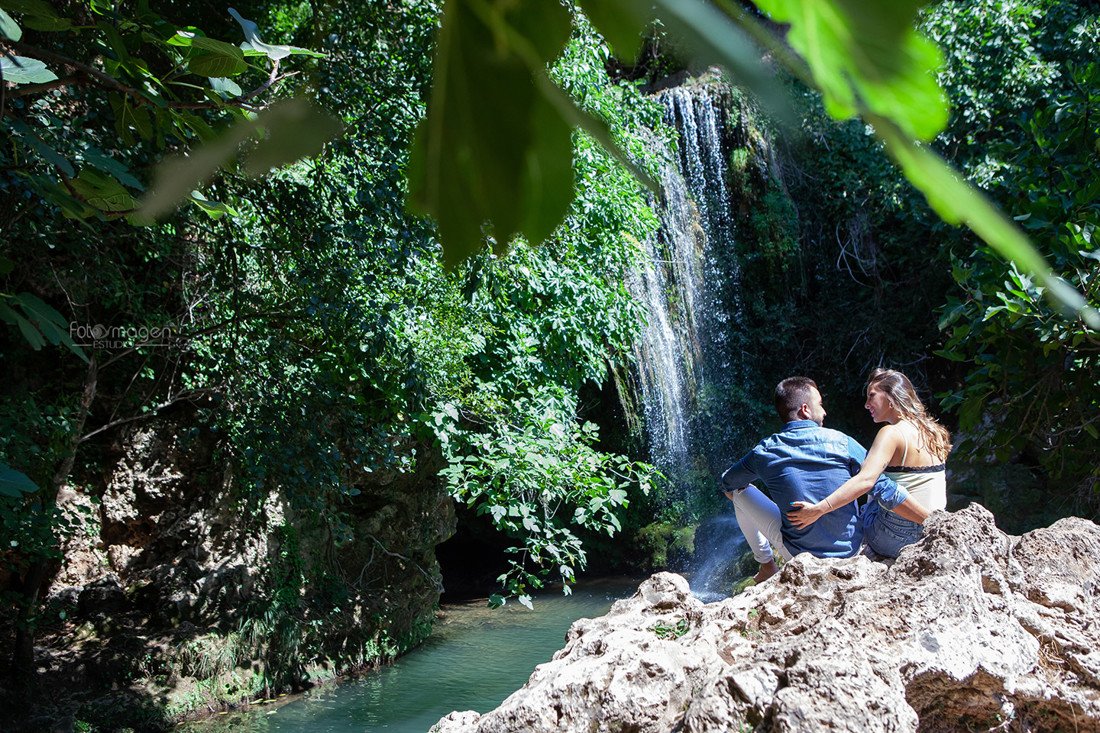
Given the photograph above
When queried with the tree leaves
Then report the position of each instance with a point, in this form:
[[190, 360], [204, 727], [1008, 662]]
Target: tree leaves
[[272, 51], [14, 484], [39, 322], [491, 149], [294, 129], [958, 202], [216, 59], [22, 70], [102, 191], [37, 15], [866, 56], [9, 28]]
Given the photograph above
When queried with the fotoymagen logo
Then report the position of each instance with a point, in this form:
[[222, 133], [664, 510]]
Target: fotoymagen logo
[[98, 336]]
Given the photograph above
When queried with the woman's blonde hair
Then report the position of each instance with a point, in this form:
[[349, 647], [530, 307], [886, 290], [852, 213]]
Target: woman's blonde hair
[[899, 391]]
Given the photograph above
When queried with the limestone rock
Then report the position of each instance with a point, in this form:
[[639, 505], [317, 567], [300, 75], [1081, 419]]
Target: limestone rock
[[970, 629]]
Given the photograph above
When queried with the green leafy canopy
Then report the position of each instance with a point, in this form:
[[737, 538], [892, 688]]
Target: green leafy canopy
[[487, 162]]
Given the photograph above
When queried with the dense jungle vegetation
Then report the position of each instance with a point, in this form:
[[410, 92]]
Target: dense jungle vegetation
[[294, 313]]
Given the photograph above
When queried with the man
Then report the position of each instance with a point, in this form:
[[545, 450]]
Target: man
[[803, 462]]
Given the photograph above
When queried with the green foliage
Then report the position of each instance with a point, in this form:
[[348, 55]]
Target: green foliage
[[472, 161], [1032, 389], [868, 58], [664, 544], [152, 82], [865, 59], [665, 630], [537, 482]]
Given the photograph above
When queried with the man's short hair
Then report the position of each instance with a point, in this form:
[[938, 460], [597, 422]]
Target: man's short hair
[[792, 393]]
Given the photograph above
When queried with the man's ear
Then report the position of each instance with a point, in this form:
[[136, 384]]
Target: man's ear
[[803, 411]]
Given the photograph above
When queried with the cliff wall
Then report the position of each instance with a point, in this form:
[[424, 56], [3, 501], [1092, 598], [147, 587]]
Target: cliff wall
[[177, 595]]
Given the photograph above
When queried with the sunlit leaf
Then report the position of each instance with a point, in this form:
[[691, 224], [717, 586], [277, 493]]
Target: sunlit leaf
[[183, 37], [298, 131], [214, 209], [9, 28], [22, 70], [227, 88], [272, 51], [866, 55]]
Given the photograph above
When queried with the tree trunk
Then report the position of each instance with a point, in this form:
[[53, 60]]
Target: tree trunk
[[23, 660]]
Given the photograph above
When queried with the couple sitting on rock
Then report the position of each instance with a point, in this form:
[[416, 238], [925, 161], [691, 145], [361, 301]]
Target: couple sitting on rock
[[818, 473]]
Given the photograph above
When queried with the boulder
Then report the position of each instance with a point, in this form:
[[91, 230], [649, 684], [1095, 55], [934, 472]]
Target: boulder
[[969, 629]]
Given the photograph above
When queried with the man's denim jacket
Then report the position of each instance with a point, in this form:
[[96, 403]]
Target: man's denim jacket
[[806, 462]]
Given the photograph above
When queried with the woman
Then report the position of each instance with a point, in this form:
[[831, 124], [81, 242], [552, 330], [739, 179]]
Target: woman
[[910, 449]]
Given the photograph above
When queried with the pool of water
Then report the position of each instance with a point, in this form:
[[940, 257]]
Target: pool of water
[[474, 659]]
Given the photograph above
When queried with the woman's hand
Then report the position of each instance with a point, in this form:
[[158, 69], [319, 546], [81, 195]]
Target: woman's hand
[[805, 514]]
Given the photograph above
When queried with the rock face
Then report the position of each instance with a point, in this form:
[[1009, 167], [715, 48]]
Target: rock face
[[171, 538], [171, 583], [970, 629]]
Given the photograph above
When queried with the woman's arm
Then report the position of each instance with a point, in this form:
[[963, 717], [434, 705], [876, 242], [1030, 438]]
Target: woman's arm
[[878, 458]]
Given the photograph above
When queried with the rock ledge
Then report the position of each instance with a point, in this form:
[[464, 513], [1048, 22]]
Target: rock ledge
[[970, 629]]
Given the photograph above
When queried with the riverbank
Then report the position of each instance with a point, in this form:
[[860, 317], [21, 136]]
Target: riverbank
[[129, 680], [112, 674], [475, 657]]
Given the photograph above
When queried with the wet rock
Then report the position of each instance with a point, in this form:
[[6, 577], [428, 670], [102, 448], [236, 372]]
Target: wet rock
[[969, 629]]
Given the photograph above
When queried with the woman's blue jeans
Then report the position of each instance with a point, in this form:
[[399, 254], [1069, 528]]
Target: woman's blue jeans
[[885, 532]]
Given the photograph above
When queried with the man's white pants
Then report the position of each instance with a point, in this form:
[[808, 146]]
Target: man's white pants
[[761, 522]]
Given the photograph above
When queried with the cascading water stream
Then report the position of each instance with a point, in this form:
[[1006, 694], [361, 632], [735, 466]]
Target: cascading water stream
[[686, 360]]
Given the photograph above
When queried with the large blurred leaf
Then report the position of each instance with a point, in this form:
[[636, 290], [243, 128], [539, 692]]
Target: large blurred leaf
[[176, 178], [710, 36], [621, 22], [865, 55], [474, 158], [297, 131], [703, 31]]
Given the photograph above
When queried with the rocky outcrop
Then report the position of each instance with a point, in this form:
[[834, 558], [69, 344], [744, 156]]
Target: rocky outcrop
[[970, 629], [178, 591]]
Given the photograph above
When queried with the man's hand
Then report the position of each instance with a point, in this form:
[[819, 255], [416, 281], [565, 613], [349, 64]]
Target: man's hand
[[804, 514]]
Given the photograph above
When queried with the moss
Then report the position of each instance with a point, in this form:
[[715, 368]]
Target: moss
[[663, 545]]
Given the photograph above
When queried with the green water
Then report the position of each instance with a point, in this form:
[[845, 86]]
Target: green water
[[474, 659]]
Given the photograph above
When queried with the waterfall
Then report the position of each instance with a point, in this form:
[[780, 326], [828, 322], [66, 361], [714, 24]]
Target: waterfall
[[688, 356]]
